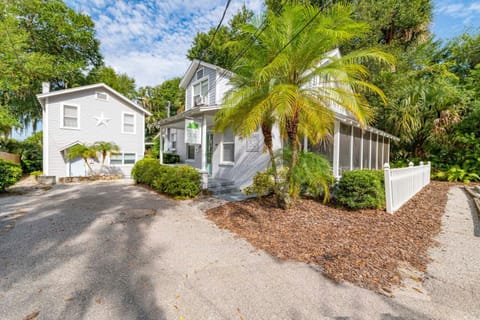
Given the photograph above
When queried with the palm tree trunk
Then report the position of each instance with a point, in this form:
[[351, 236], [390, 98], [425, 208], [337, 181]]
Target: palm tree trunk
[[268, 141], [104, 155], [88, 165]]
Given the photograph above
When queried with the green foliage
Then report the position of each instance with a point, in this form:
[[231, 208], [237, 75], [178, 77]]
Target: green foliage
[[360, 189], [10, 173], [456, 174], [146, 171], [118, 81], [105, 149], [155, 100], [31, 155], [36, 173], [181, 182], [221, 52], [271, 83], [42, 40], [263, 184], [30, 151], [83, 151], [312, 176], [171, 158]]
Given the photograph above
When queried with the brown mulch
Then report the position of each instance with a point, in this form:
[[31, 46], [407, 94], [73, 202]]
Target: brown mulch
[[363, 247]]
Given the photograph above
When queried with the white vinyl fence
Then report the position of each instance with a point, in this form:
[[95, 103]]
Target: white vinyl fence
[[403, 183]]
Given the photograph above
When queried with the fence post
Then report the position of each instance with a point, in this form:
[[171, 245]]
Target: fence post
[[429, 171], [422, 168], [388, 188]]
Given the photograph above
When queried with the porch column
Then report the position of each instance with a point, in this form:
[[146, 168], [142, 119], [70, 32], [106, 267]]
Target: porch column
[[161, 145], [336, 149], [204, 171]]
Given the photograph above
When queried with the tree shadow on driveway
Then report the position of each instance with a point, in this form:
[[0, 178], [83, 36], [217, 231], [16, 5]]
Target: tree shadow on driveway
[[82, 251]]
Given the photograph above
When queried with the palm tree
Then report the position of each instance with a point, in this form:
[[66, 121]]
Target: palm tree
[[83, 151], [105, 149], [289, 55]]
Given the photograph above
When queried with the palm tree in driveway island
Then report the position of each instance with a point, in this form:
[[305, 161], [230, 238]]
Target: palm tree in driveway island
[[288, 77]]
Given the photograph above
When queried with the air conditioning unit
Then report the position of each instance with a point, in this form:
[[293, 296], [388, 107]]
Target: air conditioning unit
[[200, 100]]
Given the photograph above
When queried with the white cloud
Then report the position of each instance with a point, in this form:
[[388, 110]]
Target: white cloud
[[149, 40]]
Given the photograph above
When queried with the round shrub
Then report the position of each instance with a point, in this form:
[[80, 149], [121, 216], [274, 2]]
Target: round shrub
[[179, 182], [360, 189], [10, 173], [146, 170]]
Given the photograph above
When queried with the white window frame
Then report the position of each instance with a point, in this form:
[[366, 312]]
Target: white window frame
[[205, 78], [222, 161], [62, 112], [134, 122], [122, 154], [106, 94], [187, 159]]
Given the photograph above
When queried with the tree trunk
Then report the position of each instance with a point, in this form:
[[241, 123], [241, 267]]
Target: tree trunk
[[292, 130], [268, 141]]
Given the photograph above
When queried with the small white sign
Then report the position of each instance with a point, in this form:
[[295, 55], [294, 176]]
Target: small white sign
[[192, 132]]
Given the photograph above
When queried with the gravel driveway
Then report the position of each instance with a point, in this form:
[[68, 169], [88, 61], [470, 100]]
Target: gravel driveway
[[110, 250]]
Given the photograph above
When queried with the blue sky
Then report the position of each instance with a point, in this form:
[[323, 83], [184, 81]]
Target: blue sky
[[149, 39]]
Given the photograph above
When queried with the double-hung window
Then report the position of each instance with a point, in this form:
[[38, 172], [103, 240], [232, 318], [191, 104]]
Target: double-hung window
[[71, 117], [200, 89], [123, 159], [128, 122], [228, 147]]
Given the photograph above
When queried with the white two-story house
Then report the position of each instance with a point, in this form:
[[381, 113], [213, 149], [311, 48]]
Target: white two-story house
[[224, 156], [85, 115]]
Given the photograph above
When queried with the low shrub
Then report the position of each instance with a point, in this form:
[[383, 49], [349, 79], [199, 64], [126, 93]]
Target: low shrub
[[178, 182], [10, 173], [360, 189], [456, 174], [146, 170], [171, 158], [36, 173], [263, 184]]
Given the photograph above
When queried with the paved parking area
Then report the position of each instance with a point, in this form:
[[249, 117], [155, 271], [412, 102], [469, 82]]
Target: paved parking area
[[111, 250]]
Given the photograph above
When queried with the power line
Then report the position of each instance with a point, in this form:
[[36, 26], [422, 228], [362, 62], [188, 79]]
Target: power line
[[286, 45]]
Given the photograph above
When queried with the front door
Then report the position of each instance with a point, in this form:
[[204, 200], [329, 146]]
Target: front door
[[77, 167], [209, 152]]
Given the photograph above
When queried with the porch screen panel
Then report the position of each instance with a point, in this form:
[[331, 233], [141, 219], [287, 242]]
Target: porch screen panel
[[366, 150], [345, 152], [380, 152], [357, 147], [324, 148], [386, 144], [373, 157]]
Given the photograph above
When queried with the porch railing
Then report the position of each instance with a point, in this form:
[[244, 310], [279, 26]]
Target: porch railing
[[402, 184]]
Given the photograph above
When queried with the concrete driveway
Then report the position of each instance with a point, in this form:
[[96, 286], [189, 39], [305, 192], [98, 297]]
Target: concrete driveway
[[111, 250]]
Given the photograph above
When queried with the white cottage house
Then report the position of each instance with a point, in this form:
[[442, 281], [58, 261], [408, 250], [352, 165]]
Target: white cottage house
[[225, 157], [85, 115]]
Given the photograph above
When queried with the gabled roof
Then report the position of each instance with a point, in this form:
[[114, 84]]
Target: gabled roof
[[71, 144], [194, 66], [41, 97]]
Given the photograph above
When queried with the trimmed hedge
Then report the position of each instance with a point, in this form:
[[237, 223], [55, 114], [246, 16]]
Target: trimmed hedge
[[361, 189], [10, 173], [178, 182]]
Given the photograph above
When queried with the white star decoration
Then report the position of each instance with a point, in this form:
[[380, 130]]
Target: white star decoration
[[102, 120]]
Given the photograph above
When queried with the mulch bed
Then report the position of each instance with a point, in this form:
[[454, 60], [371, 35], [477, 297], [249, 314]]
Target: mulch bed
[[362, 247]]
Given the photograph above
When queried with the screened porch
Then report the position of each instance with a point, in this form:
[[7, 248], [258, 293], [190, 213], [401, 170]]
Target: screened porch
[[352, 148]]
